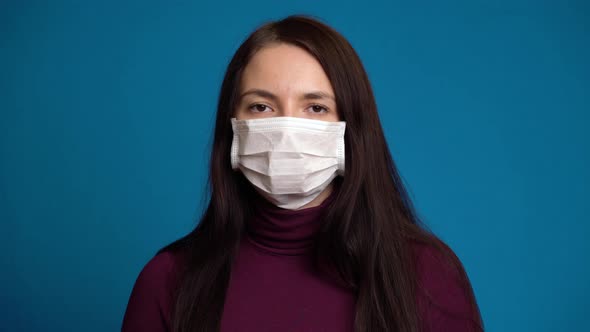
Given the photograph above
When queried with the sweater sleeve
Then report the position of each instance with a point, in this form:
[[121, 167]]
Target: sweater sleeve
[[443, 299], [148, 309]]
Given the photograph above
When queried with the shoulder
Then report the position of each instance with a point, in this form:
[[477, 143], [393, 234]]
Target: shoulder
[[151, 299], [159, 270], [444, 293], [440, 276], [160, 275]]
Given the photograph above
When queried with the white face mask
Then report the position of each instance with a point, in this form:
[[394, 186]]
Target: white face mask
[[289, 160]]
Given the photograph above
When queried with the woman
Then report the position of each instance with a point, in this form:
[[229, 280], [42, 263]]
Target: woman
[[309, 227]]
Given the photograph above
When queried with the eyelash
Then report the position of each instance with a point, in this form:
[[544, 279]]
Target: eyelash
[[253, 107], [324, 108]]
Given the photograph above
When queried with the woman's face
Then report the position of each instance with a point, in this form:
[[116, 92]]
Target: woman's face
[[285, 80]]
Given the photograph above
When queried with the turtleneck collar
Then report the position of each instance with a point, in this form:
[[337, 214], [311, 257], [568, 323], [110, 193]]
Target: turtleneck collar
[[285, 232]]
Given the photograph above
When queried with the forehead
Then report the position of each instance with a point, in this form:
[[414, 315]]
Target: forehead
[[284, 68]]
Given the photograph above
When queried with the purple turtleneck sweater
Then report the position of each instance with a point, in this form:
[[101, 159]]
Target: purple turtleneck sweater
[[274, 286]]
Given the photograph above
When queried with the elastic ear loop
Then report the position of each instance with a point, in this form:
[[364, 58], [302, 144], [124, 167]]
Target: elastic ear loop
[[235, 158], [341, 153]]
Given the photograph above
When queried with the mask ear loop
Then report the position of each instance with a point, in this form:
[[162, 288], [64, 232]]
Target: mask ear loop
[[341, 152], [235, 158]]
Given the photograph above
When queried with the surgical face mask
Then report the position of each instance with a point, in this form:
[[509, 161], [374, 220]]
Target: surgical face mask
[[289, 160]]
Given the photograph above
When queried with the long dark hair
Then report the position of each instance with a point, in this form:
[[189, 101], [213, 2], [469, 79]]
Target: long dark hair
[[368, 228]]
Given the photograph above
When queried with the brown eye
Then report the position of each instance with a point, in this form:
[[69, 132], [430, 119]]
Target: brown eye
[[259, 108], [317, 109]]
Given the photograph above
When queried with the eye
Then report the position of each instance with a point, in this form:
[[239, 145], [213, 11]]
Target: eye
[[317, 109], [259, 108]]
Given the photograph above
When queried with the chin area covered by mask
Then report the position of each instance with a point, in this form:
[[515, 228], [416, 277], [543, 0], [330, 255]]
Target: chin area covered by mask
[[290, 161]]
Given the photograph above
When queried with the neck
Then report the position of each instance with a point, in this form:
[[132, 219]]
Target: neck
[[320, 199], [287, 232]]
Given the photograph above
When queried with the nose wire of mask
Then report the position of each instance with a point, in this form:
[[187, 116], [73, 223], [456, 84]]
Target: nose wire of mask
[[289, 160]]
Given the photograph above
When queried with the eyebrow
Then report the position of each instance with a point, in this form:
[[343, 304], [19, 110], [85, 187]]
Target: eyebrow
[[318, 95], [313, 95]]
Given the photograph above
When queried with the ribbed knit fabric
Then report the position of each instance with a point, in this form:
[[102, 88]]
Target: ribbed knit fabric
[[274, 286]]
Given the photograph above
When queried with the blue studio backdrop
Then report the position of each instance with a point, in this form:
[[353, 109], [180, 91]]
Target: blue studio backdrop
[[107, 110]]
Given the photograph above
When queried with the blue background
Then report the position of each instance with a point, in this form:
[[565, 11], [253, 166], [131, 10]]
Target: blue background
[[106, 117]]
